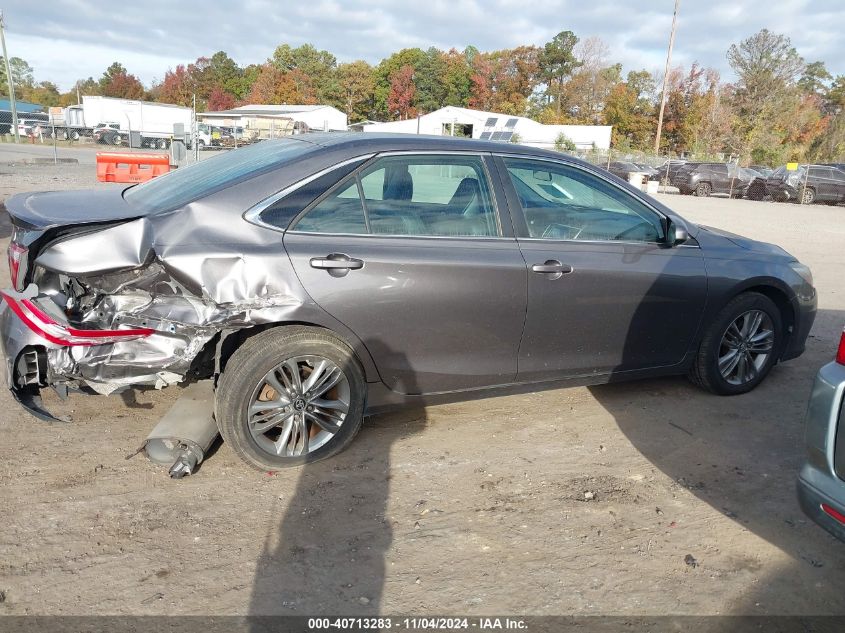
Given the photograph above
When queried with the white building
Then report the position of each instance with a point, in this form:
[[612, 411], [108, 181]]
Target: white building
[[496, 126], [316, 117]]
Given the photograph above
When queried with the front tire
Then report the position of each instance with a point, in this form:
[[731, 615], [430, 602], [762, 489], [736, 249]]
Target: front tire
[[702, 190], [740, 347], [290, 396]]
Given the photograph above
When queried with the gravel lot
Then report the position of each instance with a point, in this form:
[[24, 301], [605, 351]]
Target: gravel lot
[[472, 508]]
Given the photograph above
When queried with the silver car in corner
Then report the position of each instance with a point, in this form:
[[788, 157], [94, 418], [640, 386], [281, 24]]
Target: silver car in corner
[[821, 484]]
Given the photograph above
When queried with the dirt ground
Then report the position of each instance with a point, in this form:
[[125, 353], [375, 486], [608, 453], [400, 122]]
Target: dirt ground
[[573, 501]]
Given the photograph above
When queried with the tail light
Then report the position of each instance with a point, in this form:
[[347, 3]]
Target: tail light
[[833, 513], [840, 353], [18, 262], [60, 334]]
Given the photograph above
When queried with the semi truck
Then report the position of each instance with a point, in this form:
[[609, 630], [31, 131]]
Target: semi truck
[[118, 121]]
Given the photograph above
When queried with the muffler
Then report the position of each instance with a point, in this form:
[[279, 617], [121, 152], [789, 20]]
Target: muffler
[[186, 432]]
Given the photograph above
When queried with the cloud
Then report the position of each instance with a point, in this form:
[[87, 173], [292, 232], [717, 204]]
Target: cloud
[[72, 39]]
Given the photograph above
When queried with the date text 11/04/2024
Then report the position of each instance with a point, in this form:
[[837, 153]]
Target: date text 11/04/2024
[[417, 624]]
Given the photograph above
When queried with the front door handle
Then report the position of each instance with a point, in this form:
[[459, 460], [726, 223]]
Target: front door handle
[[552, 267]]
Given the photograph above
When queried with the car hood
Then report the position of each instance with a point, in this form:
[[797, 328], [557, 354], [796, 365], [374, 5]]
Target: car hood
[[762, 248], [49, 209]]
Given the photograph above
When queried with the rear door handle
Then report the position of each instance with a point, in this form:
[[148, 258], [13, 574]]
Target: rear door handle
[[336, 264], [553, 267]]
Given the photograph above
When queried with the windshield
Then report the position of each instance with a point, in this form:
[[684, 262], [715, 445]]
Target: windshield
[[186, 184]]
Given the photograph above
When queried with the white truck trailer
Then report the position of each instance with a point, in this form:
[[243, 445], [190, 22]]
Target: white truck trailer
[[117, 121]]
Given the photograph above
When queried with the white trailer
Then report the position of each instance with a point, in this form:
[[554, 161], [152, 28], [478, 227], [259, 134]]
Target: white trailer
[[117, 121]]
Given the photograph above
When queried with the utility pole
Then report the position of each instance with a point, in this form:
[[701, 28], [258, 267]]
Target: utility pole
[[9, 81], [666, 79]]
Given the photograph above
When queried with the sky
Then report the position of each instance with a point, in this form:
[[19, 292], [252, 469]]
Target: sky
[[66, 40]]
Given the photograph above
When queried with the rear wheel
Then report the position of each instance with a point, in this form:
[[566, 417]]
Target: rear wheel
[[74, 135], [289, 396], [116, 140], [740, 347], [702, 190], [808, 196]]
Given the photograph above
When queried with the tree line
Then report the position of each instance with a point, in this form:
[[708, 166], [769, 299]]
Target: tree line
[[780, 107]]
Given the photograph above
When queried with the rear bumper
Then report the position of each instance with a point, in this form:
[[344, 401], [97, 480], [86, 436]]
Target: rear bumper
[[818, 482], [811, 500]]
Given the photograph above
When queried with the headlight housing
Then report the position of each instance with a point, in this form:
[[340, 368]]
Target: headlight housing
[[803, 271]]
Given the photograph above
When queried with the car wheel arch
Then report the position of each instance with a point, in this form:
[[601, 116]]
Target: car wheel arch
[[779, 295], [222, 347]]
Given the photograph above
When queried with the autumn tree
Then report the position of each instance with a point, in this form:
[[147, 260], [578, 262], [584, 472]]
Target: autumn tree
[[400, 100], [629, 108], [384, 75], [117, 82], [276, 86]]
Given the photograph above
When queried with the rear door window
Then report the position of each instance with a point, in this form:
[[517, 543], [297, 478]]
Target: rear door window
[[413, 195]]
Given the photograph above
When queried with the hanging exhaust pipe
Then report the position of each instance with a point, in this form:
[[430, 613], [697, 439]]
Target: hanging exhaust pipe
[[186, 432]]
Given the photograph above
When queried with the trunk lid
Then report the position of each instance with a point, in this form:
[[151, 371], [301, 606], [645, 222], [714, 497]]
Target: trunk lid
[[52, 209]]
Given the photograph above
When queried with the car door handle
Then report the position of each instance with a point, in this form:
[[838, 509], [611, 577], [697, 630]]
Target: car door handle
[[336, 261], [552, 266]]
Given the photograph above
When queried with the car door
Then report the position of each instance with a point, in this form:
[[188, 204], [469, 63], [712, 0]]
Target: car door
[[409, 252], [605, 292], [838, 177]]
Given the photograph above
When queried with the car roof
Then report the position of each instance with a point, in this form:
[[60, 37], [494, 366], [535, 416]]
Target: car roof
[[384, 142]]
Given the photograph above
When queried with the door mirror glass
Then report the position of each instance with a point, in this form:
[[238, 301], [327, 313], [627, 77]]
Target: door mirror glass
[[678, 234]]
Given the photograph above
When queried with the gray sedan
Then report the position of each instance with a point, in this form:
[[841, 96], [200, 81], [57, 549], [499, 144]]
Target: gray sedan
[[321, 278], [821, 484]]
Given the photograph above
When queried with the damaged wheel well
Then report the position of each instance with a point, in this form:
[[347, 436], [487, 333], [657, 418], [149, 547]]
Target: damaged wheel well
[[217, 352]]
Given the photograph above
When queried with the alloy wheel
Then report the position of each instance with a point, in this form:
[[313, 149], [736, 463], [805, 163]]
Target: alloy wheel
[[746, 347], [298, 406]]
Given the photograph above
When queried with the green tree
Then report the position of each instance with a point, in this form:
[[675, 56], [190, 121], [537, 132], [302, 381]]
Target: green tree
[[357, 84], [556, 63], [317, 65], [22, 74]]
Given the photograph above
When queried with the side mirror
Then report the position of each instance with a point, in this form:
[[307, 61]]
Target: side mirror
[[677, 234]]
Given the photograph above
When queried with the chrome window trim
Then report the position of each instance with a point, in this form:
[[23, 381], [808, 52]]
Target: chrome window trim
[[483, 238], [253, 214]]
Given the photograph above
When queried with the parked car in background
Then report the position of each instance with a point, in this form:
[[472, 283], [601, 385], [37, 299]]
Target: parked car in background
[[757, 188], [821, 483], [107, 133], [324, 277], [807, 184], [704, 179], [669, 170], [652, 173], [623, 169]]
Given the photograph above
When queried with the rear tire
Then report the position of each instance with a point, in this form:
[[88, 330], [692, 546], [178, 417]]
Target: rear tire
[[808, 196], [714, 359], [246, 396]]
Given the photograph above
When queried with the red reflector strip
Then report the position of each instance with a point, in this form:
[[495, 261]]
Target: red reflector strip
[[46, 327], [840, 353], [831, 512]]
